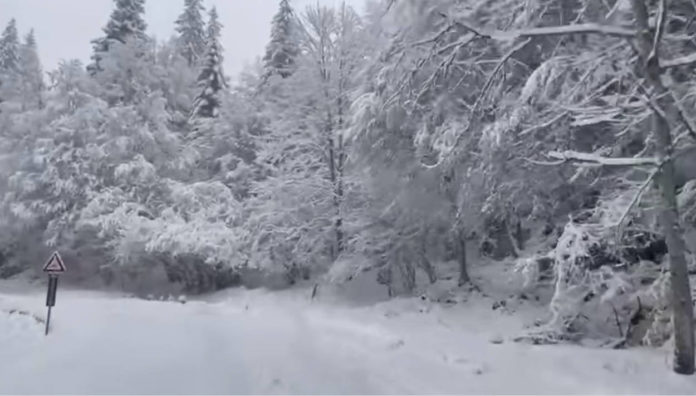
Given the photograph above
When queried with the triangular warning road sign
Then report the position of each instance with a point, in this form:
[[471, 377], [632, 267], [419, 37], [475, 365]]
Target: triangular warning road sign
[[55, 264]]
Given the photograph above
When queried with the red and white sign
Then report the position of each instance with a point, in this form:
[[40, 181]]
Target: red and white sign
[[55, 264]]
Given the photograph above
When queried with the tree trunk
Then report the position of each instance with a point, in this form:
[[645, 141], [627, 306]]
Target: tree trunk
[[336, 248], [459, 235], [461, 253], [335, 148], [340, 161], [682, 309], [423, 261], [514, 238]]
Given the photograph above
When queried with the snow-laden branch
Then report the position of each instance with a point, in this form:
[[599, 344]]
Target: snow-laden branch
[[568, 29], [599, 160], [580, 28], [685, 60]]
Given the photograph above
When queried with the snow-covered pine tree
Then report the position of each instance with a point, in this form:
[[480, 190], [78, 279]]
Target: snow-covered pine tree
[[211, 79], [9, 47], [9, 59], [191, 28], [31, 73], [283, 48], [125, 21]]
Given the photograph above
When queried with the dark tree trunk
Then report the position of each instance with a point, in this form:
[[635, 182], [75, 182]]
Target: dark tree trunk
[[682, 309]]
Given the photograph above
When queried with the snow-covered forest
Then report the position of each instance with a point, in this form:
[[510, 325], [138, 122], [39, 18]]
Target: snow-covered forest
[[419, 143]]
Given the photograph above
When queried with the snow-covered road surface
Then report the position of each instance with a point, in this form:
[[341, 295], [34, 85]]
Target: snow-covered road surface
[[255, 342]]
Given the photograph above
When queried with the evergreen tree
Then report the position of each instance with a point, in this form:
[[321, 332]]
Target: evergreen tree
[[126, 20], [211, 79], [9, 47], [283, 48], [31, 73], [9, 59], [191, 28]]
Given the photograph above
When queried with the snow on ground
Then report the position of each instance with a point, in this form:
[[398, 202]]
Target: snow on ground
[[282, 343]]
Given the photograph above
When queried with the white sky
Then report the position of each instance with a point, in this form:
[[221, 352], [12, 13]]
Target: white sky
[[64, 28]]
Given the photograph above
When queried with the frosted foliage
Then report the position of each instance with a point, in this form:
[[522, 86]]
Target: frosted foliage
[[443, 138], [106, 162], [364, 111], [138, 171], [197, 220], [543, 83]]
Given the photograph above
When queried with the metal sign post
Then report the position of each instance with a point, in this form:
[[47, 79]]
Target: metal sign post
[[54, 267]]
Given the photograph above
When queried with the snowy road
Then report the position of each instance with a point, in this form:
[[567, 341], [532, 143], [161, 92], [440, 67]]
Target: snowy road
[[101, 344]]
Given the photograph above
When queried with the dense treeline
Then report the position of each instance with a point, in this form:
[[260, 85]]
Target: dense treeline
[[556, 135]]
